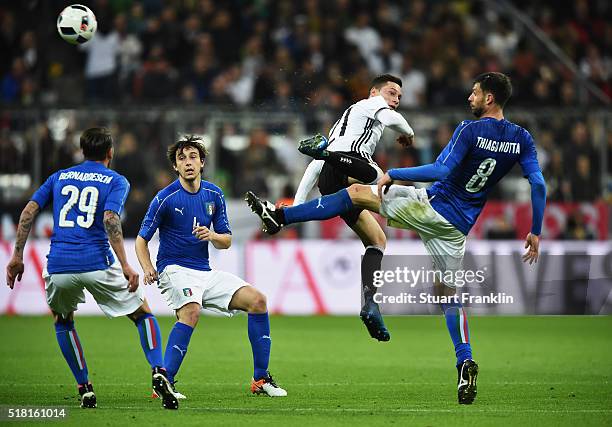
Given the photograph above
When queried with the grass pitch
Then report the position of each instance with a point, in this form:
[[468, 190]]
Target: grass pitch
[[533, 371]]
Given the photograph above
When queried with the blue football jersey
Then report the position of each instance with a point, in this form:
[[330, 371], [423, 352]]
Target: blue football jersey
[[80, 195], [175, 212], [478, 155]]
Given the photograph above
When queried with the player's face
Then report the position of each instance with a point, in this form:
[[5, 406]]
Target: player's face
[[392, 93], [188, 164], [477, 100]]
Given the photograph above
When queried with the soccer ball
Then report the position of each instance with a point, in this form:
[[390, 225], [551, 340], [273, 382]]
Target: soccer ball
[[77, 24]]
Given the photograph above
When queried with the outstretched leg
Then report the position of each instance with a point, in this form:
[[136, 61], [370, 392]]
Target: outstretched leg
[[351, 166]]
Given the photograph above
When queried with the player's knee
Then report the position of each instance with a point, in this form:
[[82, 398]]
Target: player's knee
[[359, 192], [258, 303], [189, 314], [62, 319]]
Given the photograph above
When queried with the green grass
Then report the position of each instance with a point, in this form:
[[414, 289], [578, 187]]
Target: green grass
[[533, 371]]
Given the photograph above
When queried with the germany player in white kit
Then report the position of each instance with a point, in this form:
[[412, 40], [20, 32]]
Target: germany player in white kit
[[345, 158], [190, 213]]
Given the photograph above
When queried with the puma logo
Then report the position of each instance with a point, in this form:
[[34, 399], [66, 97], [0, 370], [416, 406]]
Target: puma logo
[[266, 337], [319, 205], [179, 350], [179, 210]]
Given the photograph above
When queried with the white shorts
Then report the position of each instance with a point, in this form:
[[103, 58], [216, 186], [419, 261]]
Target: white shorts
[[211, 289], [409, 207], [108, 287]]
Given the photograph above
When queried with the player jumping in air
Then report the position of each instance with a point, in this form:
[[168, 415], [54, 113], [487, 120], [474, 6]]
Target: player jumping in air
[[346, 158], [183, 212], [87, 201], [478, 155]]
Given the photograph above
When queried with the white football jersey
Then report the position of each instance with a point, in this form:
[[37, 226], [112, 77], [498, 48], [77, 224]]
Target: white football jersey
[[357, 129]]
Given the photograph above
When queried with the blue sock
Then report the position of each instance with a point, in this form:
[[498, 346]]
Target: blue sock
[[259, 335], [72, 350], [150, 339], [178, 341], [317, 209], [456, 322]]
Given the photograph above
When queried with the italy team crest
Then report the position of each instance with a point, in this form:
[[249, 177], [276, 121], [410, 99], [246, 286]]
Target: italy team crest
[[210, 208], [187, 292]]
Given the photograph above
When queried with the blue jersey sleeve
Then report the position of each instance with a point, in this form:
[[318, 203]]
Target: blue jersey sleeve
[[44, 194], [529, 156], [220, 220], [152, 219], [120, 188]]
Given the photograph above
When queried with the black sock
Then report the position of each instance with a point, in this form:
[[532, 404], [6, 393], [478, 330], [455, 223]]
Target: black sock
[[371, 262], [354, 167]]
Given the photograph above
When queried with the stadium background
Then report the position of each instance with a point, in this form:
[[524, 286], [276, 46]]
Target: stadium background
[[254, 77]]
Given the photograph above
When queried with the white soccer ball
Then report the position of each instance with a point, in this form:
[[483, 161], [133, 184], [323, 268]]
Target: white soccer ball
[[77, 24]]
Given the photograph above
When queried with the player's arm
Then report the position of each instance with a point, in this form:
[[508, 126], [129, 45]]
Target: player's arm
[[531, 169], [396, 122], [15, 267], [144, 258], [311, 175], [115, 201], [42, 196], [150, 224], [450, 158]]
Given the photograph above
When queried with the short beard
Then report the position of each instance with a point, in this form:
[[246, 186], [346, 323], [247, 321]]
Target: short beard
[[478, 112]]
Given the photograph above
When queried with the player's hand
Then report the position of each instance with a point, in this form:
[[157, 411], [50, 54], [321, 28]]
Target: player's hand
[[532, 244], [14, 270], [383, 185], [150, 276], [405, 140], [132, 277], [203, 233]]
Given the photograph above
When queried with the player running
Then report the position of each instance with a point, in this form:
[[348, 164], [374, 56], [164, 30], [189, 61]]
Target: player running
[[478, 155], [183, 212], [87, 201], [346, 158]]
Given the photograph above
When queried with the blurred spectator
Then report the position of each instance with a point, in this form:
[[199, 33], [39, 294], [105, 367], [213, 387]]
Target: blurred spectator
[[101, 64], [576, 228], [585, 183], [256, 164]]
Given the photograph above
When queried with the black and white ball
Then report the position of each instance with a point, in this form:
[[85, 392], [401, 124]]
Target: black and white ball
[[77, 24]]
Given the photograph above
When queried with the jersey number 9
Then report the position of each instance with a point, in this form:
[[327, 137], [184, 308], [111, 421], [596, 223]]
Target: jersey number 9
[[88, 202]]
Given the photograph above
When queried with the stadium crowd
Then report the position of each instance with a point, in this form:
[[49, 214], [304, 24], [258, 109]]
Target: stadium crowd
[[306, 57]]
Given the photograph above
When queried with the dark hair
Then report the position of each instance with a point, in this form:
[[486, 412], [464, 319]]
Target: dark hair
[[95, 143], [381, 80], [187, 141], [497, 84]]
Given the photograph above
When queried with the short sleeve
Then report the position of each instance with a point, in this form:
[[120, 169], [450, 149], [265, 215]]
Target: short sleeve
[[152, 219], [120, 188], [529, 156], [457, 148], [44, 194], [220, 220]]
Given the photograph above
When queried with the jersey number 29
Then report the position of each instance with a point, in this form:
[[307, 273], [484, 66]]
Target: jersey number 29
[[88, 202], [479, 179]]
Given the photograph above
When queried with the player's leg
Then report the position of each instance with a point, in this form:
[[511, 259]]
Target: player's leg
[[183, 289], [356, 167], [325, 207], [447, 254], [374, 240], [151, 343], [109, 289], [179, 338], [64, 293]]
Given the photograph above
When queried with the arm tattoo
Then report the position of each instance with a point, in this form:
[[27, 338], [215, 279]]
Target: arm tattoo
[[112, 225], [25, 225]]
